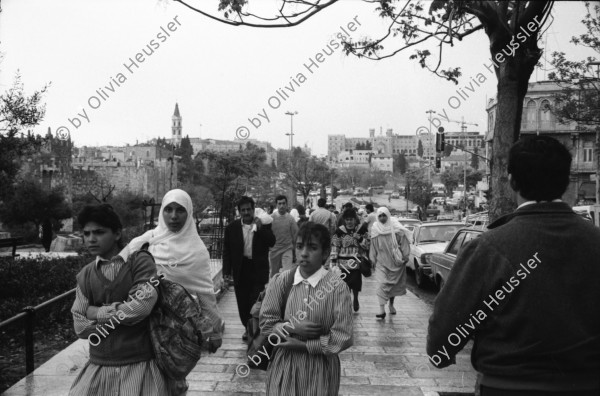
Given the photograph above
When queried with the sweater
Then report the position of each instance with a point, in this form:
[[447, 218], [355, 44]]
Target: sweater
[[527, 292], [123, 344]]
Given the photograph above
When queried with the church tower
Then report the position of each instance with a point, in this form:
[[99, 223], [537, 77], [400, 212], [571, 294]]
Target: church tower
[[176, 126]]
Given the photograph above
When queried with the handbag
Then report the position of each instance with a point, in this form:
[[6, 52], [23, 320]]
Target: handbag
[[365, 266], [260, 342]]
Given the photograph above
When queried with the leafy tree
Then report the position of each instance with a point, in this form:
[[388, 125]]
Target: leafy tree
[[579, 99], [373, 177], [420, 191], [368, 145], [400, 163], [17, 112], [349, 177], [188, 168], [448, 150], [451, 179], [225, 169], [515, 54], [304, 173], [420, 149], [473, 177], [201, 196], [31, 204]]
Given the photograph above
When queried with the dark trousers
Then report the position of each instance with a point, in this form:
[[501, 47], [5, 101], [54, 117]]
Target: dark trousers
[[486, 391], [247, 289]]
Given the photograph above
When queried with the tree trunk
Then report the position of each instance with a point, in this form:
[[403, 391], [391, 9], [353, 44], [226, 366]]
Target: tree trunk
[[513, 77]]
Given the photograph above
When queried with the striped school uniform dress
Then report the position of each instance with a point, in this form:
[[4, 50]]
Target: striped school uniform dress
[[325, 299]]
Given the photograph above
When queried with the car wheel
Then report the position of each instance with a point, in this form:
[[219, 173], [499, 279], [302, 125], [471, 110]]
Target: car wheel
[[441, 282], [419, 279]]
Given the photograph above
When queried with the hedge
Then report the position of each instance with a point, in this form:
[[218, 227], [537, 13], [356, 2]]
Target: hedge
[[32, 281]]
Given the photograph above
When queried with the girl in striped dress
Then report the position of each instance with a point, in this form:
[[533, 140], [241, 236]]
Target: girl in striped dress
[[113, 300], [316, 325]]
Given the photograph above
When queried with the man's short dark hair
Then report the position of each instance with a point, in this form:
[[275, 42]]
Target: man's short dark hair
[[369, 207], [309, 229], [244, 200], [280, 197], [103, 214], [348, 205], [539, 167], [301, 210], [321, 202]]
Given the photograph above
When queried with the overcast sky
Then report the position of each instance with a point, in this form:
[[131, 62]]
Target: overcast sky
[[223, 75]]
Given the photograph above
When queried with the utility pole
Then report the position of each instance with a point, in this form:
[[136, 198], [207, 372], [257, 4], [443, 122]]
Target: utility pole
[[291, 134]]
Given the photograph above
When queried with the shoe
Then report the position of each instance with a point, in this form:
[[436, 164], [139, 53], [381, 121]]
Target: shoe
[[392, 310], [356, 305], [245, 336], [380, 316]]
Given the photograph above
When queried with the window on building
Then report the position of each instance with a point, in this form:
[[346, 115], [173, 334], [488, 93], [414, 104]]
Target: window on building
[[588, 155], [547, 120], [147, 153], [530, 116]]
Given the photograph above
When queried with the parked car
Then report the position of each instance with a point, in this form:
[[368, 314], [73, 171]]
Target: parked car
[[396, 195], [429, 238], [409, 223], [441, 263], [478, 220]]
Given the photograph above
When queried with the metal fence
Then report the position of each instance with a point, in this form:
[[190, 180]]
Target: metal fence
[[29, 315]]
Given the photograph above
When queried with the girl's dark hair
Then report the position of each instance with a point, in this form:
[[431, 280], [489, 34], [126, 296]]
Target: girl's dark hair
[[349, 214], [102, 214], [310, 229]]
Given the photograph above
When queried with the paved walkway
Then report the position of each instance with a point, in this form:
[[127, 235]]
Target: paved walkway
[[388, 358]]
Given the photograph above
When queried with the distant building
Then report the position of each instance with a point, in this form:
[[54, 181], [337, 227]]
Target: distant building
[[176, 126], [538, 119], [388, 144]]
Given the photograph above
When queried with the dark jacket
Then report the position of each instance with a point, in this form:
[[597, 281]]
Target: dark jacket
[[527, 292], [233, 252]]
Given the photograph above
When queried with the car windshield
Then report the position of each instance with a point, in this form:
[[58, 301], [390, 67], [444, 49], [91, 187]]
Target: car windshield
[[442, 233]]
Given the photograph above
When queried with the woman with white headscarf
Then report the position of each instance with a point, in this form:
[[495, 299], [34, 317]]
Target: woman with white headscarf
[[181, 255], [389, 254]]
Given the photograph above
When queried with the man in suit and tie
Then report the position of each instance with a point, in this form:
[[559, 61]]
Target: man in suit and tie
[[246, 256]]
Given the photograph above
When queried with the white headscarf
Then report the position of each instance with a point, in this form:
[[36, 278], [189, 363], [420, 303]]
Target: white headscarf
[[181, 256], [391, 226]]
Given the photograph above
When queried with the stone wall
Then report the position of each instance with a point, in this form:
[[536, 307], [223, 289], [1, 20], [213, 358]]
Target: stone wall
[[153, 181]]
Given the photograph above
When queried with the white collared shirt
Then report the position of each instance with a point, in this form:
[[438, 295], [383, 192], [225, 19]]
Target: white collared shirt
[[534, 202], [248, 231], [313, 280]]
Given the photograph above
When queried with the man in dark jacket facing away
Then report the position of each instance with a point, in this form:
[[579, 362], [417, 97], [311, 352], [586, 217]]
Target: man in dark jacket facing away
[[246, 256], [527, 290]]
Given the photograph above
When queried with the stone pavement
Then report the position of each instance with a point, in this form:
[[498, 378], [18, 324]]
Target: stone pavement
[[388, 358]]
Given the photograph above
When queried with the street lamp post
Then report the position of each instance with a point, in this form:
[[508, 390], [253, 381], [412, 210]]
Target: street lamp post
[[291, 134], [430, 112]]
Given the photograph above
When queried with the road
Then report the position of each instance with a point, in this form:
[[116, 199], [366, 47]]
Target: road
[[381, 199], [426, 294]]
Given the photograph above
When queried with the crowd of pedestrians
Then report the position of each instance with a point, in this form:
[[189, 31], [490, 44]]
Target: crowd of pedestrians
[[535, 333]]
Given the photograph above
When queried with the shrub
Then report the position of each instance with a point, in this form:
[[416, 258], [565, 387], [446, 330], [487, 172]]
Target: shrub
[[29, 282]]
